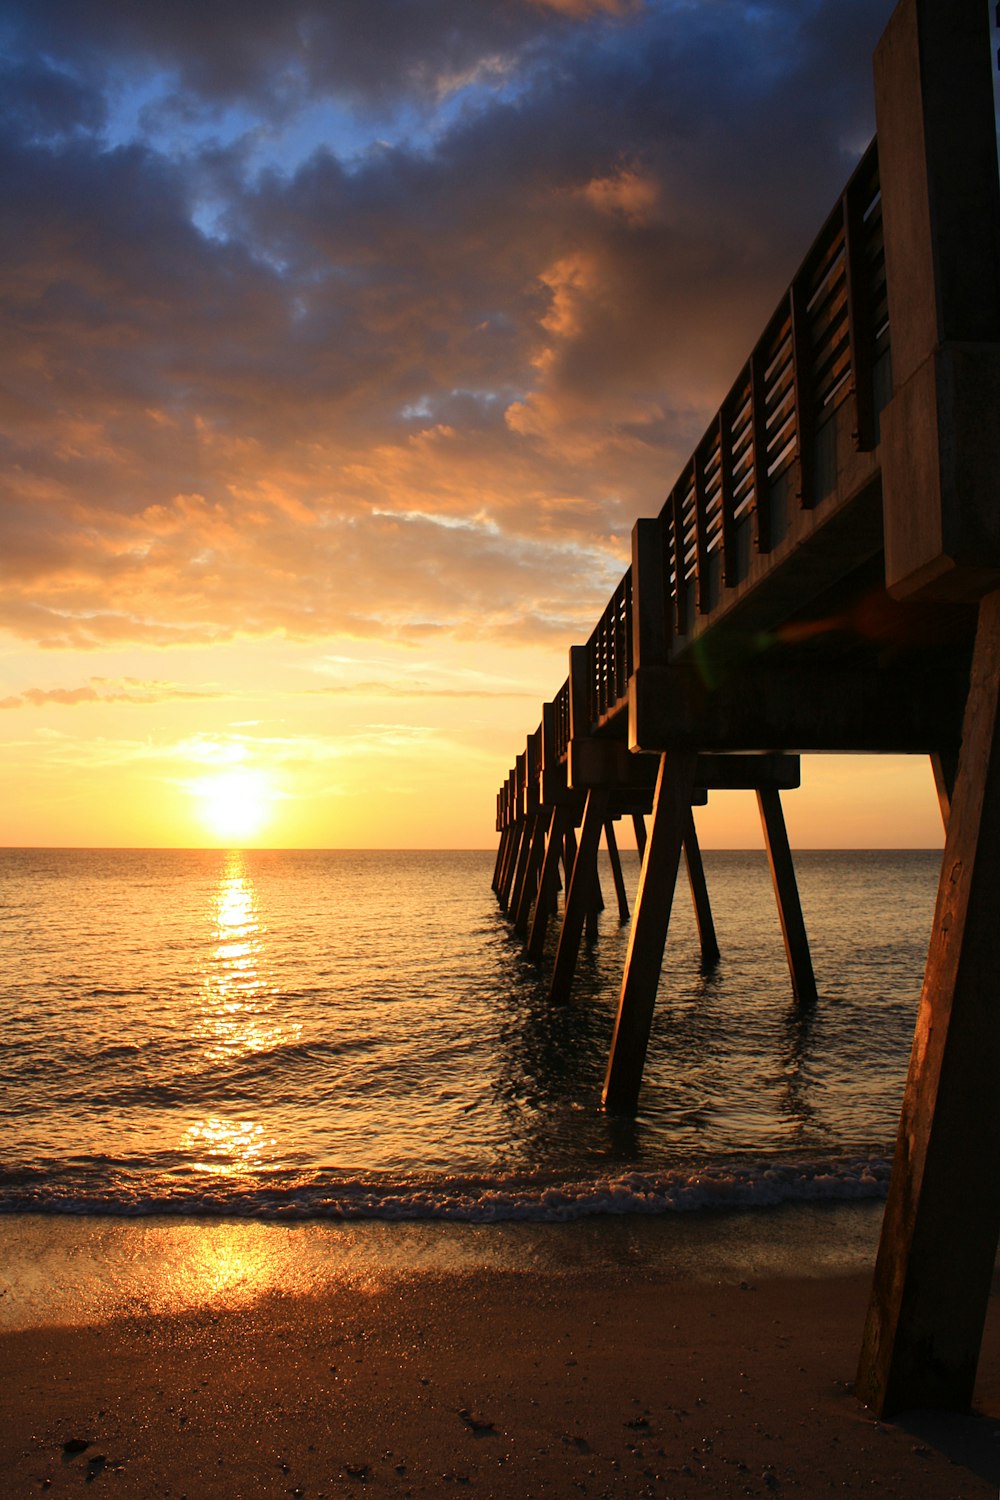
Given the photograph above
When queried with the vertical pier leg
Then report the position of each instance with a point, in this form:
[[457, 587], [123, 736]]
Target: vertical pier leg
[[639, 824], [520, 833], [508, 837], [793, 927], [545, 904], [944, 764], [699, 895], [529, 885], [616, 870], [498, 866], [671, 809], [579, 897], [521, 870], [942, 1217]]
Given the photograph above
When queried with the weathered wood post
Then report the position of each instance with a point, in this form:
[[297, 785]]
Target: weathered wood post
[[547, 883], [616, 870], [511, 834], [639, 824], [647, 939], [942, 1217], [526, 878], [944, 765], [699, 896], [940, 452], [529, 811], [580, 894], [786, 891], [520, 831]]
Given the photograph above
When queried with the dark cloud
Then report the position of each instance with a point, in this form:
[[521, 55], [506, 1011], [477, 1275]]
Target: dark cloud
[[405, 386]]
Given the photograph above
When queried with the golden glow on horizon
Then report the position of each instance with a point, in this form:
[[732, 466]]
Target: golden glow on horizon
[[235, 804]]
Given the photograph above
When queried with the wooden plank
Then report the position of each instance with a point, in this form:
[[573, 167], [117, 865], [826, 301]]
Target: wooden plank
[[912, 706], [616, 870], [805, 423], [650, 921], [786, 890], [758, 427], [580, 896], [942, 1218], [859, 321], [699, 895]]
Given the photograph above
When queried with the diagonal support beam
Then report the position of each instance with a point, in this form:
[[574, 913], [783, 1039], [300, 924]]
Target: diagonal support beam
[[548, 884], [647, 939], [786, 891], [616, 870], [529, 885], [942, 1218], [580, 896], [699, 895]]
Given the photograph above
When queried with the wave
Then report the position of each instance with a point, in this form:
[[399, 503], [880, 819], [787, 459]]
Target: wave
[[479, 1200]]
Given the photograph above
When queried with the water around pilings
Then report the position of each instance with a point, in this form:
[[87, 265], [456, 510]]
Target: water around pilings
[[349, 1035]]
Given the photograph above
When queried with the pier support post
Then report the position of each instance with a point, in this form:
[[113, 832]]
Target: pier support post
[[501, 857], [944, 764], [616, 870], [639, 824], [513, 860], [521, 870], [580, 895], [547, 885], [699, 895], [647, 939], [942, 1218], [529, 885], [793, 927]]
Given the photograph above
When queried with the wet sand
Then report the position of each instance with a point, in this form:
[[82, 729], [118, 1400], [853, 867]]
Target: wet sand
[[618, 1377]]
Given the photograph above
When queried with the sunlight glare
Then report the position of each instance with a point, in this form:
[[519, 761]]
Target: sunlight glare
[[234, 803]]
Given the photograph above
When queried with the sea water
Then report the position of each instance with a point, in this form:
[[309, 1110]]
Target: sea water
[[358, 1035]]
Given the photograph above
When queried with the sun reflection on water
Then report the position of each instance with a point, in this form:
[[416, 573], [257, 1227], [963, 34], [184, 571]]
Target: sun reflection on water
[[238, 1017]]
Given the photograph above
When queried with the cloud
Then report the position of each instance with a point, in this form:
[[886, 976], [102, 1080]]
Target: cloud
[[103, 690], [320, 320]]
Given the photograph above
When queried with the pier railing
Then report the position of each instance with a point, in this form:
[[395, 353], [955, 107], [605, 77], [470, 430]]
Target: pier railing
[[769, 448]]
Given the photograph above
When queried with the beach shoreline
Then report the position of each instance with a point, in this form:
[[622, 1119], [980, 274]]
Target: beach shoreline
[[500, 1364]]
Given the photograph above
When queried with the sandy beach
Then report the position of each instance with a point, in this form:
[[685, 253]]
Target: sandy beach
[[601, 1379]]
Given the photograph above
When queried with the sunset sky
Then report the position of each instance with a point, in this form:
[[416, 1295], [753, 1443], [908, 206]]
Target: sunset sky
[[342, 344]]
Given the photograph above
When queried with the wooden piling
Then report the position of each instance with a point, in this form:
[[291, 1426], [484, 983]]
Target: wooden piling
[[942, 1218], [513, 856], [639, 824], [786, 890], [529, 885], [501, 853], [699, 896], [616, 870], [579, 897], [650, 921], [944, 765], [548, 881]]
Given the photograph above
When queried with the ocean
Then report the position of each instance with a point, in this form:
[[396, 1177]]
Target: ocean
[[308, 1036]]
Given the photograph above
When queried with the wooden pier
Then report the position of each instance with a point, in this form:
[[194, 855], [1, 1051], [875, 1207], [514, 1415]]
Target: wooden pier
[[824, 576]]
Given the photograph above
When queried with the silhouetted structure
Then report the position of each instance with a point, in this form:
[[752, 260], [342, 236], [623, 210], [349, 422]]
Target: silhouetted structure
[[825, 576]]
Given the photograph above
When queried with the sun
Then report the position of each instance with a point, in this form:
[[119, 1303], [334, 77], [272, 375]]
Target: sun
[[234, 804]]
